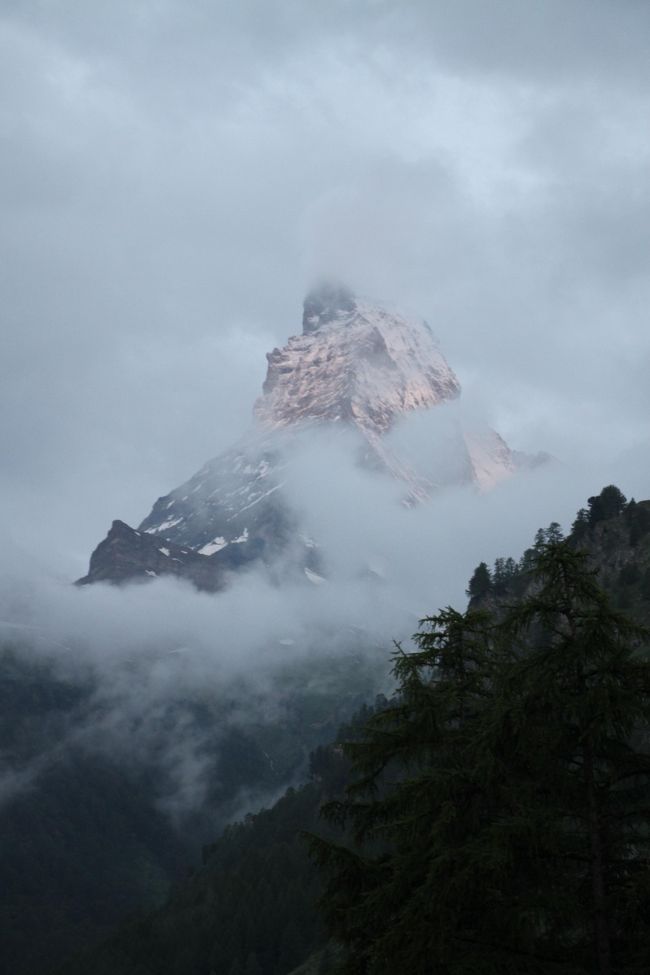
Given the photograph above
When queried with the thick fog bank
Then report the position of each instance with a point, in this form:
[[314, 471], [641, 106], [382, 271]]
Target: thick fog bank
[[172, 671], [386, 565]]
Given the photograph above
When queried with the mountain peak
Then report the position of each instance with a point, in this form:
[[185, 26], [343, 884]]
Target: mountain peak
[[326, 303], [356, 362], [358, 365]]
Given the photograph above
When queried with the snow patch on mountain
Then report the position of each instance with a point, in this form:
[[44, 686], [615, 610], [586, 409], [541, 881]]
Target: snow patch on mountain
[[214, 546]]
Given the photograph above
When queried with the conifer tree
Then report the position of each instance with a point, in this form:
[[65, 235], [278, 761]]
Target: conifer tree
[[580, 527], [415, 797], [497, 822], [553, 533], [481, 582], [511, 567], [499, 576], [610, 502], [540, 540]]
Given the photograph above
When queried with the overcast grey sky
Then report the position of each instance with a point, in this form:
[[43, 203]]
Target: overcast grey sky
[[174, 174]]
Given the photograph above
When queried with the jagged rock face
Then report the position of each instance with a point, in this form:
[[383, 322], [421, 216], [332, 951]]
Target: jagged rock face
[[355, 363], [364, 366], [127, 555]]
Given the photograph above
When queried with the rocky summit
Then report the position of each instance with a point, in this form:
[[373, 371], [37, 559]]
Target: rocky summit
[[355, 363], [358, 366]]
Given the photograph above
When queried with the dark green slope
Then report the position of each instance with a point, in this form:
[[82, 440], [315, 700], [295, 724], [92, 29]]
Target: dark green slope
[[77, 855], [250, 910], [84, 842], [81, 841]]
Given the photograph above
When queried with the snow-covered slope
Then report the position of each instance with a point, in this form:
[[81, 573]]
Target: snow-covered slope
[[357, 366]]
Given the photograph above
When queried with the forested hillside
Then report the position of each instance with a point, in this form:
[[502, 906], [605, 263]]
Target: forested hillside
[[251, 909], [66, 819], [494, 811], [87, 834]]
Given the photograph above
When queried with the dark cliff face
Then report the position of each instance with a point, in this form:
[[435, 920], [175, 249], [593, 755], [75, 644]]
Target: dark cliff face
[[127, 555], [619, 549]]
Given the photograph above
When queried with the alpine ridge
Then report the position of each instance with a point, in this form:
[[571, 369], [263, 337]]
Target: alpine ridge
[[358, 366]]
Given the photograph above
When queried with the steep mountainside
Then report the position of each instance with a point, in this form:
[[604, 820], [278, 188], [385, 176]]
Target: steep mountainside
[[357, 366]]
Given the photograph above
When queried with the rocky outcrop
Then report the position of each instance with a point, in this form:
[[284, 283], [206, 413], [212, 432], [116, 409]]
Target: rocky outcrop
[[127, 555]]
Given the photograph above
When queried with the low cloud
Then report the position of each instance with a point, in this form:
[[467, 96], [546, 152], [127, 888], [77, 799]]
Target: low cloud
[[155, 653]]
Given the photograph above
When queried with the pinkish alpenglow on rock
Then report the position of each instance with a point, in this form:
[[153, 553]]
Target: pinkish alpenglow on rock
[[359, 367], [356, 362]]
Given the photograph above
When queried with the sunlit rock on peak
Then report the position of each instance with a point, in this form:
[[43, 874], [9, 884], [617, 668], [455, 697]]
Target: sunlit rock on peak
[[357, 362]]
